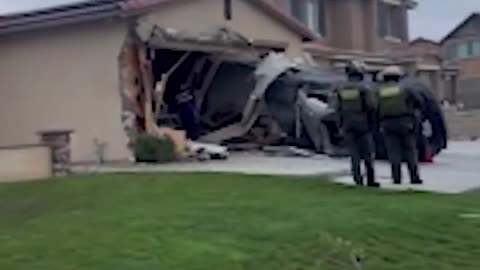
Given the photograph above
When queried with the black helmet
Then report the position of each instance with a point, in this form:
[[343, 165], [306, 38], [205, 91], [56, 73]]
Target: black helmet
[[355, 67]]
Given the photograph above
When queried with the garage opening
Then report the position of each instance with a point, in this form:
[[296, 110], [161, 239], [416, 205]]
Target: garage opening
[[195, 87]]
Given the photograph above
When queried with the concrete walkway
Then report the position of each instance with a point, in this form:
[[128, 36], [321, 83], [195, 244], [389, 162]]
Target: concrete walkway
[[246, 163], [455, 170]]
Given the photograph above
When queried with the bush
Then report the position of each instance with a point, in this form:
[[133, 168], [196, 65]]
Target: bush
[[151, 149]]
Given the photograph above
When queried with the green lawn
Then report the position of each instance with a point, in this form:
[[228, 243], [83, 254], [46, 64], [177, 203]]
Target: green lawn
[[229, 222]]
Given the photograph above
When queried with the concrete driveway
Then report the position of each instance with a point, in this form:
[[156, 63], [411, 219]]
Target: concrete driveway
[[455, 170]]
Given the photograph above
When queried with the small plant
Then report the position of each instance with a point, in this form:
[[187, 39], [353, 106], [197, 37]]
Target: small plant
[[100, 150], [151, 149]]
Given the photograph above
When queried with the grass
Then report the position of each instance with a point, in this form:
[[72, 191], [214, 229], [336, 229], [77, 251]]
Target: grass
[[206, 221]]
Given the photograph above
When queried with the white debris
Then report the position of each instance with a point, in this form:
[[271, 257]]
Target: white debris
[[315, 102], [206, 151]]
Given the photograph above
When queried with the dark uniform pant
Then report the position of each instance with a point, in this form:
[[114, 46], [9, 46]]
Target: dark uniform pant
[[361, 148], [402, 147]]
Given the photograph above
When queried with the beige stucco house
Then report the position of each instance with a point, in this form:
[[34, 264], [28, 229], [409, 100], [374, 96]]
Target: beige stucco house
[[367, 30], [461, 47], [59, 67]]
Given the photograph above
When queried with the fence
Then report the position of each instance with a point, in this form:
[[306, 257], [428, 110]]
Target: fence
[[463, 125]]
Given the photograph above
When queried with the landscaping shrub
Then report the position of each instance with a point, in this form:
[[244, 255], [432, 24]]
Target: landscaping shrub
[[151, 149]]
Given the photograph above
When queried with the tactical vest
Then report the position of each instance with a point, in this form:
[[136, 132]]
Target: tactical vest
[[351, 100], [393, 102]]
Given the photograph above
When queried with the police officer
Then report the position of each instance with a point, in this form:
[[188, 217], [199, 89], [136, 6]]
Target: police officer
[[356, 108], [398, 108]]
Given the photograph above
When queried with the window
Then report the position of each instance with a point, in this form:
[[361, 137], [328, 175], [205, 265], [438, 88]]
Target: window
[[464, 49], [451, 51], [311, 13], [391, 20], [476, 48]]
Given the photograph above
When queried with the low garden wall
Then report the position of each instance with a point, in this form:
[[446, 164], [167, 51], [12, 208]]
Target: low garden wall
[[25, 162], [463, 125]]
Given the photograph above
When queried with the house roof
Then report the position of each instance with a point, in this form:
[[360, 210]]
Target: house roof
[[424, 40], [100, 9], [60, 15], [472, 16], [416, 49]]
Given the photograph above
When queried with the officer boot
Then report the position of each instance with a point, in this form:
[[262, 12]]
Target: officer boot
[[357, 177], [371, 176], [397, 174], [417, 182], [373, 184], [356, 172], [414, 175], [358, 180]]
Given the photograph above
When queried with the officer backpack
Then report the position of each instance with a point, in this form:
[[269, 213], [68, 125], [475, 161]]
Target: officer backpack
[[393, 102], [352, 100], [353, 108]]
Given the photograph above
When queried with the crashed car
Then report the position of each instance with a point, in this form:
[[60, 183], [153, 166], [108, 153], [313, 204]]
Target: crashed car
[[219, 88], [312, 122], [316, 121]]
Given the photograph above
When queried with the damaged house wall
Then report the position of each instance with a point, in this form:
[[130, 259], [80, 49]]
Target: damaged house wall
[[83, 85], [131, 89], [202, 15], [197, 82], [64, 78]]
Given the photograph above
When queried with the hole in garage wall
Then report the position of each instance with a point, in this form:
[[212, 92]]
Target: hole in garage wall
[[192, 103], [198, 97], [178, 110]]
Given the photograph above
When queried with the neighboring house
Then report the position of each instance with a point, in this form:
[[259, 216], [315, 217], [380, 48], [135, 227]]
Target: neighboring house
[[462, 47], [59, 67], [425, 59], [352, 29], [375, 31]]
